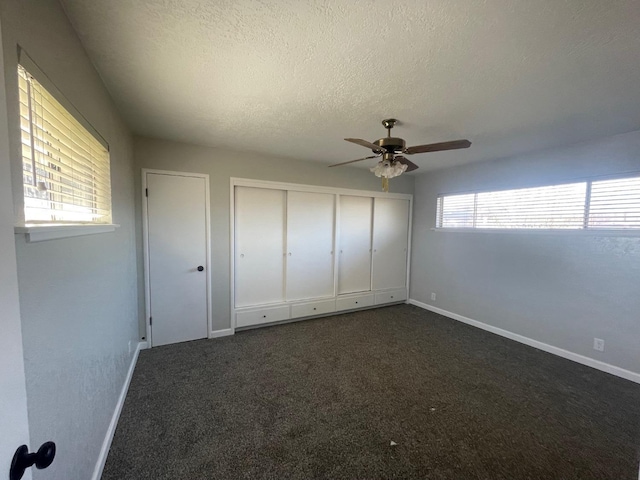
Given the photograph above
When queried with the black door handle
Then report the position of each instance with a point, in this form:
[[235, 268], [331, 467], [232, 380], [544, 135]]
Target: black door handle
[[22, 459], [200, 268]]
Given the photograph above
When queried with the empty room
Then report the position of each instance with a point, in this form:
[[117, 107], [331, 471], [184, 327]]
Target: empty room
[[320, 240]]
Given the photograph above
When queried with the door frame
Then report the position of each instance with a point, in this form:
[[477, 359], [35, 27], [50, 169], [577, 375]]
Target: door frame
[[14, 414], [145, 247]]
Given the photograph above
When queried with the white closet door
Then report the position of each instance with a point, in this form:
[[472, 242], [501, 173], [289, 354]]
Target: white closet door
[[390, 238], [259, 246], [310, 227], [354, 271]]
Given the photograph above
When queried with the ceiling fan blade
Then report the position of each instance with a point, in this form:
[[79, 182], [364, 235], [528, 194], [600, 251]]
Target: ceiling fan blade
[[410, 165], [364, 143], [438, 147], [353, 161]]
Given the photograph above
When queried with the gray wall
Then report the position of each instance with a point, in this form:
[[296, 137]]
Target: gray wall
[[562, 289], [221, 165], [78, 296]]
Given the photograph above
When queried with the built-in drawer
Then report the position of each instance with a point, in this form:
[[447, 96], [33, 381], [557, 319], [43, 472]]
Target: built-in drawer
[[262, 315], [313, 308], [391, 296], [354, 301]]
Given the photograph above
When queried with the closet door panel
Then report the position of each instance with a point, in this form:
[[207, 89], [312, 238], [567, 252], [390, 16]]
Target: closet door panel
[[259, 246], [310, 234], [354, 268], [390, 238]]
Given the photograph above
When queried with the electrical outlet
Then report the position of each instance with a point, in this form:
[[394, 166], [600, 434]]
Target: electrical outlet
[[433, 296], [129, 346], [598, 344]]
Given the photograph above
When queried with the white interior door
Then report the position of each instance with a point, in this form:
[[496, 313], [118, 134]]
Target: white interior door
[[14, 429], [354, 254], [177, 248], [259, 246], [390, 238], [310, 234]]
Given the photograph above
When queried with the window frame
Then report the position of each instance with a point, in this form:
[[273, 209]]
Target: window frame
[[49, 230], [583, 230]]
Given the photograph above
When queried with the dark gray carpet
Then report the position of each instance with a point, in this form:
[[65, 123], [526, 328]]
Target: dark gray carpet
[[324, 399]]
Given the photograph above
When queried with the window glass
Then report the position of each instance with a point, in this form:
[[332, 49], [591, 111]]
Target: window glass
[[595, 204]]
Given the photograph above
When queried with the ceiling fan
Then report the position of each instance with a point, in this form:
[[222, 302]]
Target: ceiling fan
[[390, 149]]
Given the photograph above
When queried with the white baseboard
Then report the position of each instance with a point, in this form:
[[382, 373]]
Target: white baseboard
[[221, 333], [108, 438], [144, 345], [590, 362]]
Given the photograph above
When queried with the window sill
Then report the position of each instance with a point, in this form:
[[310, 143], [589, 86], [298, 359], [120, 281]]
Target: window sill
[[541, 231], [40, 233]]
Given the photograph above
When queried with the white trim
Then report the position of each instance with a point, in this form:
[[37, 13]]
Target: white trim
[[39, 233], [409, 244], [144, 345], [589, 362], [225, 332], [336, 243], [145, 244], [232, 253], [108, 438], [296, 187], [585, 232], [145, 252]]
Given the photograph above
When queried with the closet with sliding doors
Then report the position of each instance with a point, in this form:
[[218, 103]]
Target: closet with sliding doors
[[304, 251]]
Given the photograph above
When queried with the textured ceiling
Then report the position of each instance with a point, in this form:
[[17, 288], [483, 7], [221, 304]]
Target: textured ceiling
[[292, 78]]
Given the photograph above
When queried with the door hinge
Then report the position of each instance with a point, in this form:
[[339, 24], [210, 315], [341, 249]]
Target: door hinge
[[146, 192], [150, 321]]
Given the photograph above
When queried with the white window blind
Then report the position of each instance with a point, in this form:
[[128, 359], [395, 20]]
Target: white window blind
[[615, 203], [456, 211], [66, 170], [557, 206], [604, 204]]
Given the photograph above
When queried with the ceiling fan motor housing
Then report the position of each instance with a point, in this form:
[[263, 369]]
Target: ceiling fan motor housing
[[391, 144]]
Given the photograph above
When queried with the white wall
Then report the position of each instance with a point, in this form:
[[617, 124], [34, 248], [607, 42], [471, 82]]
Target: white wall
[[562, 289], [221, 165], [78, 296]]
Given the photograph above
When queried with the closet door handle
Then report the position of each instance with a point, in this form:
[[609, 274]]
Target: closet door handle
[[200, 268]]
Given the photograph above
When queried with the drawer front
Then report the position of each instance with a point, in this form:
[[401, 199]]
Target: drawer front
[[263, 315], [313, 308], [391, 297], [359, 301]]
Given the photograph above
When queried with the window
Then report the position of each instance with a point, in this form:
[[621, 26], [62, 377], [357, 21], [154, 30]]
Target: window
[[66, 169], [592, 204], [615, 203]]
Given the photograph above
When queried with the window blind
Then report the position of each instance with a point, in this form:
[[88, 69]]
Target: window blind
[[456, 211], [66, 170], [615, 203], [603, 204], [556, 206]]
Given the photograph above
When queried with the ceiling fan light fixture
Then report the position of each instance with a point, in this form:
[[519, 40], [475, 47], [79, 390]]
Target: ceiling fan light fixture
[[392, 149], [388, 169]]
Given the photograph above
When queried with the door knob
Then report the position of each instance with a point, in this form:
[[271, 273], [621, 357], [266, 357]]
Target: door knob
[[22, 459], [200, 268]]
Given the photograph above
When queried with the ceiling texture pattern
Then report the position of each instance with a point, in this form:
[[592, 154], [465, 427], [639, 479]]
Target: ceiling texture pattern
[[293, 78]]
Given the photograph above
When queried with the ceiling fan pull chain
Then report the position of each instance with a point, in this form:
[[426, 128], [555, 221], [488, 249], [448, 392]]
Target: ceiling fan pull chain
[[385, 184]]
